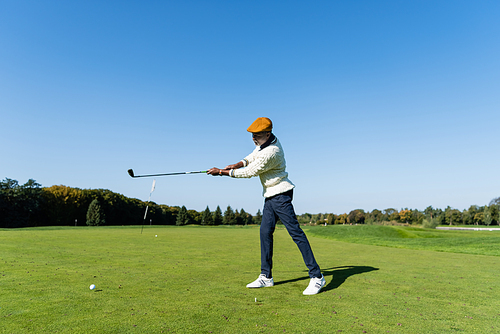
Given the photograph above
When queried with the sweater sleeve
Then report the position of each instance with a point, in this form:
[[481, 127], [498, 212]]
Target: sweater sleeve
[[258, 165]]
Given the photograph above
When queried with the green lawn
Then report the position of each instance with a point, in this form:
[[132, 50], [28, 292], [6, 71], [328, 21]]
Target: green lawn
[[192, 280], [455, 241]]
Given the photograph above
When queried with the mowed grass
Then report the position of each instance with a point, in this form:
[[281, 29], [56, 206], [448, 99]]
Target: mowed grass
[[192, 280], [456, 241]]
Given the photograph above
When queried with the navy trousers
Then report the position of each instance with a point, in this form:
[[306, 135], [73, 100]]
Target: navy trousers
[[280, 207]]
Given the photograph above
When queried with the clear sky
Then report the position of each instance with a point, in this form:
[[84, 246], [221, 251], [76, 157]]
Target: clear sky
[[378, 104]]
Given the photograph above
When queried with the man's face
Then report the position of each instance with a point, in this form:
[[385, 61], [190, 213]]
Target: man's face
[[260, 138]]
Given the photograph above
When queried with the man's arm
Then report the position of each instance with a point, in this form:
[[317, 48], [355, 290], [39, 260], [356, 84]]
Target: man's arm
[[235, 166], [225, 171], [217, 171], [261, 164]]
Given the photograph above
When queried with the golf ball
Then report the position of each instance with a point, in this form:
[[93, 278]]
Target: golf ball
[[92, 287], [156, 236]]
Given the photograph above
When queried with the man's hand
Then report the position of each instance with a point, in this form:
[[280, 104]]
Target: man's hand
[[213, 171], [217, 171], [234, 166]]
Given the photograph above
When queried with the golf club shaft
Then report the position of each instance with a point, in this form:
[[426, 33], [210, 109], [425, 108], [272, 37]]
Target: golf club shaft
[[131, 173]]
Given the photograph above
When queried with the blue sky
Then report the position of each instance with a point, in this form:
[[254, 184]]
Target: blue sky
[[378, 104]]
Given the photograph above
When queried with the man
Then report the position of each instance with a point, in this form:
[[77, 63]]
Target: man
[[268, 162]]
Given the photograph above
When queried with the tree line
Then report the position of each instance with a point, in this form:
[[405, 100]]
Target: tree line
[[474, 215], [31, 204]]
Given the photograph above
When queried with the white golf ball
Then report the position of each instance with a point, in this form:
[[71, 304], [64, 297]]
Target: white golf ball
[[156, 236], [92, 287]]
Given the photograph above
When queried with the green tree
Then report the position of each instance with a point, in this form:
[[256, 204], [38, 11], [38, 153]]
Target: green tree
[[31, 196], [237, 217], [217, 216], [417, 217], [20, 205], [169, 214], [330, 219], [487, 216], [494, 213], [257, 219], [206, 217], [341, 219], [391, 214], [478, 218], [305, 218], [95, 214], [65, 204], [376, 216], [245, 217], [429, 213], [440, 216], [194, 217], [249, 219], [229, 216], [452, 216], [473, 209], [466, 217], [356, 217], [182, 217]]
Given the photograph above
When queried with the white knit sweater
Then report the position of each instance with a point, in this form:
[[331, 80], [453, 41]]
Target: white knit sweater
[[269, 164]]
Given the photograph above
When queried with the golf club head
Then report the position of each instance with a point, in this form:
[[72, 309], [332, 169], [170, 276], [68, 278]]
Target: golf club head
[[131, 172]]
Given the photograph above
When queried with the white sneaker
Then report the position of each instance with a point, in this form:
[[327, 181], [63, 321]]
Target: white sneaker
[[261, 282], [315, 285]]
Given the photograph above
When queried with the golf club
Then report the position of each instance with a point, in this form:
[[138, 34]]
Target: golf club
[[131, 173]]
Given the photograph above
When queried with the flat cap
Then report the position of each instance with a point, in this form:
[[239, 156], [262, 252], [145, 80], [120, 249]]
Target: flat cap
[[261, 124]]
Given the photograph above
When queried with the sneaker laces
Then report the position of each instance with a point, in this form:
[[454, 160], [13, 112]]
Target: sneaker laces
[[316, 282]]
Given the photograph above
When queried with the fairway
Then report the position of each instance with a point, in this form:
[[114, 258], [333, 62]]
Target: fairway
[[454, 241], [192, 280]]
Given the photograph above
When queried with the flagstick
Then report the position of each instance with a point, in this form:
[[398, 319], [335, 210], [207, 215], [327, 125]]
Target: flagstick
[[147, 206]]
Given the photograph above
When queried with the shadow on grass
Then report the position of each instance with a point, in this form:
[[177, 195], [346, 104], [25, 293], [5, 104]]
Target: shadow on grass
[[338, 275]]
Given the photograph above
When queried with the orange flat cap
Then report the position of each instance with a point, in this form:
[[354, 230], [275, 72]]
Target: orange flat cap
[[261, 124]]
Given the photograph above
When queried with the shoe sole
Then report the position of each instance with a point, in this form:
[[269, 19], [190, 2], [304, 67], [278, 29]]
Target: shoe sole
[[258, 287]]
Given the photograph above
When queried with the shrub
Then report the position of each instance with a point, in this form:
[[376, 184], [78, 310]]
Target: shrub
[[432, 223]]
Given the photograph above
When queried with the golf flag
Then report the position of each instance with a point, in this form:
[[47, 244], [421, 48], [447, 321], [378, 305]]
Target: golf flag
[[147, 206]]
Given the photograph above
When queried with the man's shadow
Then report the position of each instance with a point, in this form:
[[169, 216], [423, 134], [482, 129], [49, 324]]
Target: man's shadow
[[338, 274]]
